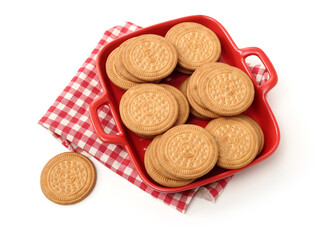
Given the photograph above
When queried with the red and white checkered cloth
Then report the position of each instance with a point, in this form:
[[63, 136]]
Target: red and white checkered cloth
[[68, 120]]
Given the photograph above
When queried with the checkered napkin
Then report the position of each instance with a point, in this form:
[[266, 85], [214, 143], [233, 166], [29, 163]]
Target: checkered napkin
[[68, 120]]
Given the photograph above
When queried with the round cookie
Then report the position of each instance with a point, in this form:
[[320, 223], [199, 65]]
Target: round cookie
[[120, 67], [257, 127], [225, 90], [157, 176], [183, 89], [150, 57], [237, 140], [195, 44], [198, 107], [114, 75], [155, 158], [184, 108], [188, 151], [195, 78], [68, 178], [148, 109]]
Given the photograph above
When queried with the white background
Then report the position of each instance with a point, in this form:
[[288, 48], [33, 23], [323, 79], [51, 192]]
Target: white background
[[43, 45]]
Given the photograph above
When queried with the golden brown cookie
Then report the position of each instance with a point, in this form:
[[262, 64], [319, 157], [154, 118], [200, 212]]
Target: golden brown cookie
[[237, 140], [120, 67], [195, 78], [184, 108], [155, 158], [225, 90], [258, 129], [188, 151], [114, 75], [195, 44], [148, 109], [150, 57], [68, 178], [146, 136], [198, 107], [183, 89], [198, 115], [157, 176], [261, 134], [183, 70]]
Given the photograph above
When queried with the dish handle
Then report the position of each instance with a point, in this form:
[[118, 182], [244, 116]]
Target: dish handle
[[119, 138], [273, 77]]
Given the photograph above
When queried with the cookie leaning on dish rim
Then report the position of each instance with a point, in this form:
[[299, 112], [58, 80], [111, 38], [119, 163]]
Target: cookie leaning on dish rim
[[237, 139], [114, 75], [120, 63], [257, 127]]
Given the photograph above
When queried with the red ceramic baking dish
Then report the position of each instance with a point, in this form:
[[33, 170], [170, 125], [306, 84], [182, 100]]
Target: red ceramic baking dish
[[260, 110]]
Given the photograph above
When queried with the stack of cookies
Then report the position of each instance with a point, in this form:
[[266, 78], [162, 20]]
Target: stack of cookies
[[147, 58], [151, 109], [214, 91], [239, 139], [218, 89], [181, 155]]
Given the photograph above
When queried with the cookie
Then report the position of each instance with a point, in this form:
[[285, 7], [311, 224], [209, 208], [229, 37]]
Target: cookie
[[184, 108], [68, 178], [183, 70], [157, 176], [188, 151], [225, 90], [195, 79], [183, 89], [120, 67], [198, 115], [261, 134], [155, 145], [257, 127], [114, 75], [195, 44], [146, 136], [150, 57], [237, 140], [199, 107], [148, 109]]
